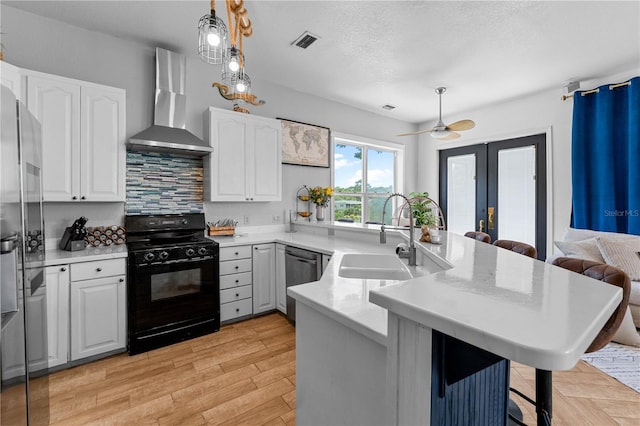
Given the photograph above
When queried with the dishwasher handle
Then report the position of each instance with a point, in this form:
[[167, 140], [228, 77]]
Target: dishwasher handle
[[300, 253]]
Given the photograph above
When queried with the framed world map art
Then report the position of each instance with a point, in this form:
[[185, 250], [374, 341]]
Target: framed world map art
[[305, 144]]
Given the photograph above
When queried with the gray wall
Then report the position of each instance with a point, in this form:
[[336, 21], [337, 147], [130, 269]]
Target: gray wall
[[49, 46]]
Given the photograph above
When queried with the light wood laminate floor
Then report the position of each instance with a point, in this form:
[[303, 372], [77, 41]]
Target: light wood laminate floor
[[245, 374]]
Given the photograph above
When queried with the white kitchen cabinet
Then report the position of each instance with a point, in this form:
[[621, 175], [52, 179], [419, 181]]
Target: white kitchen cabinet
[[10, 77], [236, 290], [47, 323], [83, 132], [98, 308], [246, 162], [264, 278], [57, 314], [281, 279]]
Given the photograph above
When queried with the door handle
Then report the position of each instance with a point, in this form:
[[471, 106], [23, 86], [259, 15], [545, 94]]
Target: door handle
[[481, 225], [491, 218]]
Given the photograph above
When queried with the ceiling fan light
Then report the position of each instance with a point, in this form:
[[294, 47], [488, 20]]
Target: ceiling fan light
[[212, 39], [440, 133]]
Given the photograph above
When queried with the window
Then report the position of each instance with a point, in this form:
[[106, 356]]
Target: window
[[365, 173]]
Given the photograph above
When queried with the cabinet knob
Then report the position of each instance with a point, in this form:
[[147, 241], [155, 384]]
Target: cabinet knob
[[237, 281], [237, 267], [83, 198], [255, 248], [237, 309], [74, 198], [121, 280], [99, 269], [237, 253], [63, 269], [237, 294]]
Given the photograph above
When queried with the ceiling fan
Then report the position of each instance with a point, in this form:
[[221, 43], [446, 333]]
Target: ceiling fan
[[442, 131]]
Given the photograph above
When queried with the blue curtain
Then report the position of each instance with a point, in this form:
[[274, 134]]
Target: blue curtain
[[605, 159]]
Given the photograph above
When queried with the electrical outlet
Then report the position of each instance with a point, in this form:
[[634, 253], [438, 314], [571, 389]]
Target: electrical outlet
[[246, 220]]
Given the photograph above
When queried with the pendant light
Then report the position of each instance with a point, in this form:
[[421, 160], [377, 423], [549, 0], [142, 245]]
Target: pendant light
[[212, 37]]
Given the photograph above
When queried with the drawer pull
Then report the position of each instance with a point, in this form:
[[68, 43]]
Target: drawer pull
[[63, 269], [99, 269]]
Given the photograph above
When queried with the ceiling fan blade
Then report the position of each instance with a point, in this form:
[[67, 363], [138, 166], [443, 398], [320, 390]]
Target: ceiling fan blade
[[462, 125], [450, 137], [419, 132]]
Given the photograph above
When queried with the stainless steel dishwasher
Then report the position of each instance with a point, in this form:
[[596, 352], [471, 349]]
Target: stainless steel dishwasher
[[301, 266]]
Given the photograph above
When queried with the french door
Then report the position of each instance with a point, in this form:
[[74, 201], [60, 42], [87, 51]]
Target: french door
[[498, 188]]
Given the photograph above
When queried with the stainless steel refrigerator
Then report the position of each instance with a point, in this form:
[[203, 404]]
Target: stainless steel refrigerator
[[24, 383]]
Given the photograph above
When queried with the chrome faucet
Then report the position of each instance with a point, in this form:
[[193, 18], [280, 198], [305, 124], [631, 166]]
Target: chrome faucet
[[411, 255]]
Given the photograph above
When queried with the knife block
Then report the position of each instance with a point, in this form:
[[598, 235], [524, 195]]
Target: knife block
[[66, 243]]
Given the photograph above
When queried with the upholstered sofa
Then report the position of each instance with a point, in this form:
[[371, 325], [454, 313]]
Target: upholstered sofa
[[619, 250]]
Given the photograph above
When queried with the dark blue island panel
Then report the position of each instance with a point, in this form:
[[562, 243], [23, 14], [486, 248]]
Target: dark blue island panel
[[469, 386]]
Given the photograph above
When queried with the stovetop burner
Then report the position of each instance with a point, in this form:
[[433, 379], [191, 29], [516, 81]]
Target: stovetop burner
[[165, 238]]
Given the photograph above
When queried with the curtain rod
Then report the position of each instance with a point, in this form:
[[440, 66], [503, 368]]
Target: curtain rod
[[588, 92]]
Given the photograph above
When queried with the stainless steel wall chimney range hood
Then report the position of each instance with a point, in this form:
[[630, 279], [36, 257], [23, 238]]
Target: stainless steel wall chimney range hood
[[168, 133]]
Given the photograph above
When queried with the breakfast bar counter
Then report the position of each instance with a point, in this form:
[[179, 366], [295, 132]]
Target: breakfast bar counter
[[471, 301]]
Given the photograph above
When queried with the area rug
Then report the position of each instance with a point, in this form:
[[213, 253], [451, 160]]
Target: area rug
[[618, 361]]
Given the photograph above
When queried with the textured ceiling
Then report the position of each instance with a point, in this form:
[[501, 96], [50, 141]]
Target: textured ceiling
[[373, 53]]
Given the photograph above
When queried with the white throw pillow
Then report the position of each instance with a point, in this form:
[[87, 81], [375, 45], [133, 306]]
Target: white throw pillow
[[573, 234], [627, 333], [585, 249], [623, 254]]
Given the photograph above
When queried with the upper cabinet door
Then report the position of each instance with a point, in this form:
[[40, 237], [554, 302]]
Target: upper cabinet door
[[266, 161], [246, 161], [56, 104], [227, 170], [10, 78], [103, 149]]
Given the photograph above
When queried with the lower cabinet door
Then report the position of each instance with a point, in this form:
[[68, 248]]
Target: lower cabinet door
[[58, 314], [98, 316]]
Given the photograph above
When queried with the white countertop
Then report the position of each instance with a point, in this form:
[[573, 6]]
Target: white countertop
[[519, 308], [508, 304], [60, 257]]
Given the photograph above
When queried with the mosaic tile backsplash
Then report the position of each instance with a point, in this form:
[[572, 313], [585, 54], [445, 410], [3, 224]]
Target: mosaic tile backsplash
[[159, 183]]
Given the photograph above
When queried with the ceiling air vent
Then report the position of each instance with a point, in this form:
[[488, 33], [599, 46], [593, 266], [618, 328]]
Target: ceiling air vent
[[305, 40], [388, 107]]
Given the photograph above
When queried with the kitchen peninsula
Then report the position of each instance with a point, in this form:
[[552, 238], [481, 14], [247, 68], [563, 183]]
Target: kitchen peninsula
[[355, 366]]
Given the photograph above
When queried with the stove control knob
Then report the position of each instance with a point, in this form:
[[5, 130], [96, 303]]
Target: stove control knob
[[202, 251], [163, 255], [189, 252], [149, 257]]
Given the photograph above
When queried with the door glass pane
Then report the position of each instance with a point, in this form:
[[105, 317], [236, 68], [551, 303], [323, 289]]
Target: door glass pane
[[461, 193], [516, 210], [379, 171], [347, 168], [347, 207]]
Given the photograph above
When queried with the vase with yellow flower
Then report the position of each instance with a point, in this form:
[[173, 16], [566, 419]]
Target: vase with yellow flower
[[320, 197]]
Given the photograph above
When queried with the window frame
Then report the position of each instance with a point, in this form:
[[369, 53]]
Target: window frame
[[368, 143]]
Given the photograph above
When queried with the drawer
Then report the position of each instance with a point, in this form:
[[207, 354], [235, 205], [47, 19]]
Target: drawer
[[235, 280], [232, 310], [232, 253], [235, 266], [97, 269], [238, 293]]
